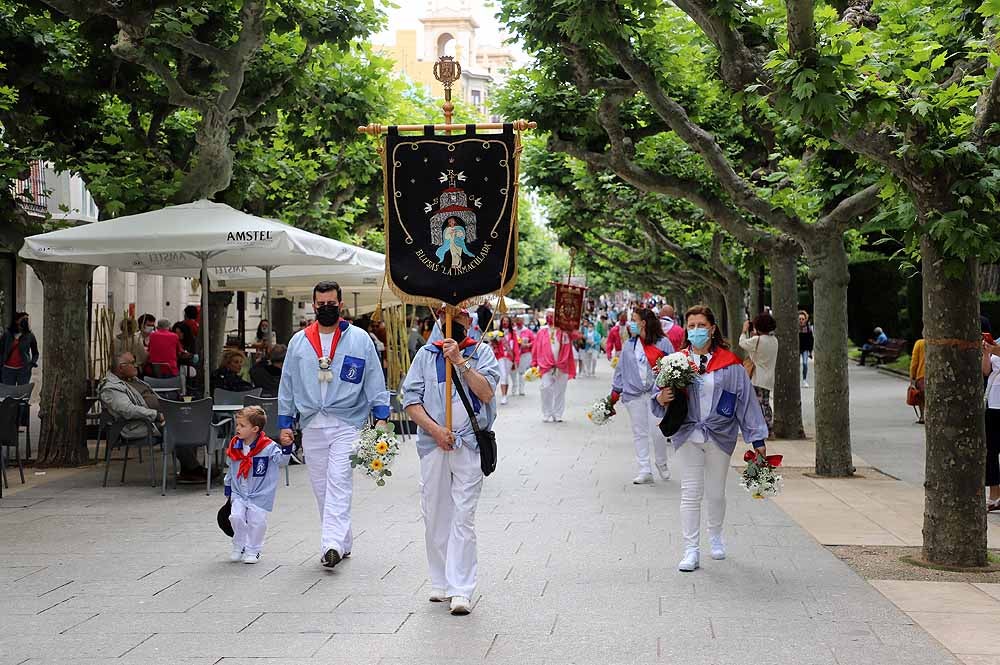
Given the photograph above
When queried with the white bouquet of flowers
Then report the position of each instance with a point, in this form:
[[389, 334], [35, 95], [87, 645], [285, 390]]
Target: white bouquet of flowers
[[375, 451], [675, 371], [759, 476], [602, 411], [493, 336]]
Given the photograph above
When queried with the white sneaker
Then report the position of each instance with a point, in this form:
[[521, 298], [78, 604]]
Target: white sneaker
[[236, 554], [521, 392], [689, 563], [718, 547], [805, 384], [438, 596], [251, 558], [460, 606], [643, 479], [503, 399], [548, 419], [664, 470]]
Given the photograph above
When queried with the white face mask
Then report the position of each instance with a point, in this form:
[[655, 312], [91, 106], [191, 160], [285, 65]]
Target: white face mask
[[148, 330]]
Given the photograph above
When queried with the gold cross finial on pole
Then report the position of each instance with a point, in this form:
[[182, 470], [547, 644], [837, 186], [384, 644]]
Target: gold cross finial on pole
[[447, 71]]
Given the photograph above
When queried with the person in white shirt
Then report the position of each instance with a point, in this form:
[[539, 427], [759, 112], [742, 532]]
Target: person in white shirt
[[991, 369], [762, 348]]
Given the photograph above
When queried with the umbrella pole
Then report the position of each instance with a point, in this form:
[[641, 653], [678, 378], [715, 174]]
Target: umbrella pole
[[204, 324], [267, 294]]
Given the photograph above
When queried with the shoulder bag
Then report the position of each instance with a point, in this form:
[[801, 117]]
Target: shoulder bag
[[486, 439]]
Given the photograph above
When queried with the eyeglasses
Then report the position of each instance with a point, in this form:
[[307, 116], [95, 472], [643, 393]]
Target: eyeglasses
[[702, 364], [128, 364]]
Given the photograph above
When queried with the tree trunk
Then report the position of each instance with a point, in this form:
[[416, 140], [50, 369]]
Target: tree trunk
[[218, 309], [828, 260], [757, 291], [281, 320], [954, 517], [989, 279], [735, 313], [211, 169], [787, 374], [62, 440], [717, 301]]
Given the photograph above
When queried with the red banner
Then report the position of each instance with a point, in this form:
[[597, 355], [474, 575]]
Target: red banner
[[569, 306]]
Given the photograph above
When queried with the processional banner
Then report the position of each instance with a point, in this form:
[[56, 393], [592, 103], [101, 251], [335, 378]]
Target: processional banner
[[569, 306], [450, 220]]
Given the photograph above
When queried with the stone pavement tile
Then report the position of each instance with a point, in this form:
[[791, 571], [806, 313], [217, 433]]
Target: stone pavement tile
[[29, 604], [964, 633], [489, 617], [67, 648], [806, 631], [127, 659], [166, 622], [992, 589], [915, 596], [365, 603], [890, 655], [575, 648], [42, 625], [859, 603], [274, 601], [328, 622], [345, 659], [979, 660], [163, 602], [452, 644], [282, 645]]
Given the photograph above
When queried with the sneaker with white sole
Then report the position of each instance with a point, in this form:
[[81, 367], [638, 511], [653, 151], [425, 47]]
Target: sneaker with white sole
[[643, 479], [460, 606], [548, 419], [236, 554], [718, 547], [805, 384], [331, 558], [439, 596], [251, 558], [664, 470], [503, 399], [689, 563]]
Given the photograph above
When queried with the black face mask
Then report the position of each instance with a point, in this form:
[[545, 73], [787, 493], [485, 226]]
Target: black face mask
[[458, 332], [24, 325], [328, 314]]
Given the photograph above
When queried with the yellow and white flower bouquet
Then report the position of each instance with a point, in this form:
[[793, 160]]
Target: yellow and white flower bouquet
[[376, 449]]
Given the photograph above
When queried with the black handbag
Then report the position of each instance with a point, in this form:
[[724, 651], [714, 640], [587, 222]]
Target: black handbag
[[486, 439], [677, 412], [223, 518]]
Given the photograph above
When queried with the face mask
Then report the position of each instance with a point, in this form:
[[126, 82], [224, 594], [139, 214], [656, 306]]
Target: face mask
[[633, 327], [148, 330], [458, 332], [328, 314], [699, 337], [264, 329], [24, 325]]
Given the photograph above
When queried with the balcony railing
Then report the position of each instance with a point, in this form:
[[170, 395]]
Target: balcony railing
[[31, 192]]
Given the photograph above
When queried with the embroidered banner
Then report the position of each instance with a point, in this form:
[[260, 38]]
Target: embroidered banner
[[451, 203], [569, 306]]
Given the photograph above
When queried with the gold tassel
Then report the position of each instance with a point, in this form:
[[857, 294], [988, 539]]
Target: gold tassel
[[377, 314], [502, 306]]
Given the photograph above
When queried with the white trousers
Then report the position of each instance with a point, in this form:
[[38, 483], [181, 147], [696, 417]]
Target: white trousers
[[554, 394], [645, 433], [249, 525], [328, 457], [703, 468], [505, 371], [590, 362], [518, 377], [450, 485]]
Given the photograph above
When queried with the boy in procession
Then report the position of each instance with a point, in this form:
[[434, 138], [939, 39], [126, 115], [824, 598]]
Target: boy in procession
[[252, 482], [331, 380], [450, 473]]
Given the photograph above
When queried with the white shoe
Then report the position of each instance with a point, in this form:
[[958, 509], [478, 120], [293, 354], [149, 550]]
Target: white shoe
[[251, 558], [460, 606], [548, 419], [805, 384], [521, 392], [503, 399], [689, 563], [643, 479], [718, 547], [664, 470], [438, 596], [236, 554], [557, 419]]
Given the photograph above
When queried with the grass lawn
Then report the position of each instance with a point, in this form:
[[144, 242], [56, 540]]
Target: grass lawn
[[902, 364]]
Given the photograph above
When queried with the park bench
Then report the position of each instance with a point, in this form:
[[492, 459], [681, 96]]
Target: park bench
[[888, 352]]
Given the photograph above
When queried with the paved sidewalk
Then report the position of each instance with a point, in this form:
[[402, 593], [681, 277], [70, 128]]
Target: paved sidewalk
[[577, 565]]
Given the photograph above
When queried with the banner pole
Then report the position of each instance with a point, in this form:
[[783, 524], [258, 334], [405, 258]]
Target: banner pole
[[447, 372]]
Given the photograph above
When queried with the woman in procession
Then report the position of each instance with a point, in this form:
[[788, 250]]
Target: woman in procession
[[525, 337], [634, 384], [507, 351], [451, 476], [720, 403]]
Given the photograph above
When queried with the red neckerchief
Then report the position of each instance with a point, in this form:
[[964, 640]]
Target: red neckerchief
[[466, 343], [246, 459], [721, 358], [312, 334], [653, 354]]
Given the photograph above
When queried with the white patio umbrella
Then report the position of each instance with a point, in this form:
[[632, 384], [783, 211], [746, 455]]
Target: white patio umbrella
[[187, 240]]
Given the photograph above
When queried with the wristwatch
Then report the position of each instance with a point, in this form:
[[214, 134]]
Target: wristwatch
[[464, 367]]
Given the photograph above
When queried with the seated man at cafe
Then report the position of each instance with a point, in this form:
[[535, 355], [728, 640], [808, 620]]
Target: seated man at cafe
[[164, 350], [127, 398], [266, 374]]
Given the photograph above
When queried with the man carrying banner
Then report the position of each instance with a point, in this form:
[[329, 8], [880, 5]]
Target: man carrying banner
[[552, 354], [332, 379]]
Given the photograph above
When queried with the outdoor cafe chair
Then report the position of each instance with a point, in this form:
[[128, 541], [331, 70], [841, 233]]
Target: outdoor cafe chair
[[234, 397], [270, 406], [113, 428], [165, 388], [23, 393], [189, 425], [10, 411]]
